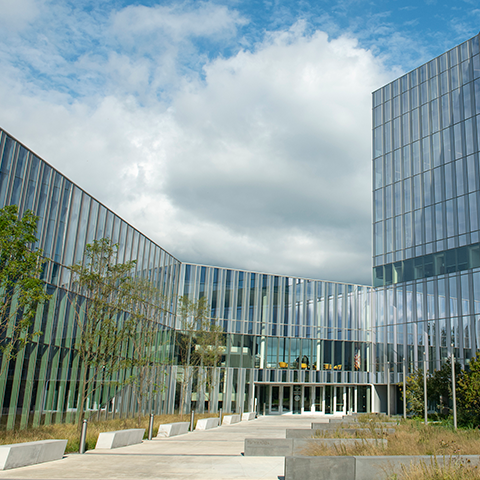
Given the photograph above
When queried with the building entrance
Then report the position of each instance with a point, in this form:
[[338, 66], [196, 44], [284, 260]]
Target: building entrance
[[297, 399]]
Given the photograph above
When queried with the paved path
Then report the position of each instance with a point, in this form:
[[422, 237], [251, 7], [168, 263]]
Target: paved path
[[214, 454]]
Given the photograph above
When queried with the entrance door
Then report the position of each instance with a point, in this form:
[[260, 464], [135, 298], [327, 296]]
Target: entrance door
[[307, 399], [286, 399], [297, 399], [318, 402], [275, 399], [328, 399]]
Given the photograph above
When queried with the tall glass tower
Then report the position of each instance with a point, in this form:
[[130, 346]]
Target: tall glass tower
[[426, 252]]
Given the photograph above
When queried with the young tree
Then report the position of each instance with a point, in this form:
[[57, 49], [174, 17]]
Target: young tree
[[145, 343], [102, 324], [210, 348], [468, 394], [415, 393], [440, 385], [21, 290], [192, 316]]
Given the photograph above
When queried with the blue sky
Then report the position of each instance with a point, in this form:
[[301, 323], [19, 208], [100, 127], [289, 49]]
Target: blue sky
[[232, 133]]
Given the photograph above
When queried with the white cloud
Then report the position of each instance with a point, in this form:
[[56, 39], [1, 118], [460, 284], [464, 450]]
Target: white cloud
[[261, 162], [269, 161], [17, 14], [203, 20]]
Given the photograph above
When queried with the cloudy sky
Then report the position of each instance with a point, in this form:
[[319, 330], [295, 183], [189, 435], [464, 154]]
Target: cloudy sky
[[232, 133]]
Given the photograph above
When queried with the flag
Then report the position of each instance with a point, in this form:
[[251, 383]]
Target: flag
[[356, 360]]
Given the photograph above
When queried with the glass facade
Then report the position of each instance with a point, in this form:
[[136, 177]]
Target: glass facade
[[280, 331], [41, 386], [426, 251], [293, 345]]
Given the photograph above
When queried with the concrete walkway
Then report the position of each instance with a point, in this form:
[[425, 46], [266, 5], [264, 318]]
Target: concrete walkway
[[200, 455]]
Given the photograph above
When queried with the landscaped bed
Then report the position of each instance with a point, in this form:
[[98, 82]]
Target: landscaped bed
[[415, 451], [410, 438], [452, 469], [70, 431]]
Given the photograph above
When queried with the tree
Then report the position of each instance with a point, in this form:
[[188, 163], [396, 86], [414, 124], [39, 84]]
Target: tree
[[145, 343], [468, 394], [415, 393], [21, 289], [210, 348], [440, 385], [192, 316], [103, 325]]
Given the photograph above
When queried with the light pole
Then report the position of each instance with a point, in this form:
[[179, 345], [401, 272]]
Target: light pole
[[404, 390], [387, 373], [454, 395], [425, 386]]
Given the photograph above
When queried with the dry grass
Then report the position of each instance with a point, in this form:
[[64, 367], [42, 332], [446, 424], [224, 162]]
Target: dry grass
[[410, 438], [70, 431], [452, 470]]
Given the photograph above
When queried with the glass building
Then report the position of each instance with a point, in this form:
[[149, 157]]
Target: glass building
[[293, 345], [426, 251]]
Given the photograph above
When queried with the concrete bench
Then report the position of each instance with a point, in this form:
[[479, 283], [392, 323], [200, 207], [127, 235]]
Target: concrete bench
[[230, 419], [246, 417], [282, 447], [319, 468], [326, 426], [120, 438], [357, 432], [207, 423], [349, 426], [299, 433], [355, 421], [31, 453], [359, 467], [268, 447], [343, 420], [173, 429]]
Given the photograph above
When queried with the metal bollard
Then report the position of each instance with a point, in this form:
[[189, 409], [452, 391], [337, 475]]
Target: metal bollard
[[150, 426], [83, 437], [263, 409], [219, 416], [192, 420]]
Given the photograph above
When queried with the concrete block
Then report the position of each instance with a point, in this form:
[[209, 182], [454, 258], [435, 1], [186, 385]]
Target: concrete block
[[299, 433], [120, 438], [322, 420], [268, 447], [30, 453], [302, 445], [320, 433], [173, 429], [246, 417], [354, 426], [360, 468], [319, 468], [342, 420], [207, 423], [326, 426], [363, 431], [281, 447], [230, 419], [360, 432]]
